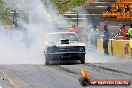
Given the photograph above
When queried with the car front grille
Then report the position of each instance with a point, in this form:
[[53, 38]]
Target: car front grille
[[67, 49]]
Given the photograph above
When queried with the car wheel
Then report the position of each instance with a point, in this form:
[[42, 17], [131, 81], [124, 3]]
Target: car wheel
[[47, 60], [83, 59]]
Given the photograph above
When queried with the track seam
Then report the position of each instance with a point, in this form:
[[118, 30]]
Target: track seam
[[66, 70], [109, 69], [11, 83]]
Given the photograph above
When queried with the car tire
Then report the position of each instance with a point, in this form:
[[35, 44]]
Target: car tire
[[83, 59], [47, 60]]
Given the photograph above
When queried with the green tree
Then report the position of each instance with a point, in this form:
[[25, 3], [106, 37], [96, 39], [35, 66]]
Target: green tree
[[65, 5], [5, 15]]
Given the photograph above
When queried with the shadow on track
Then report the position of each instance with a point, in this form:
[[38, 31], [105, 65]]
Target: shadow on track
[[64, 62]]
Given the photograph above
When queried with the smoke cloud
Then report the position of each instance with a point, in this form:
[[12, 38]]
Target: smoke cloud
[[25, 45]]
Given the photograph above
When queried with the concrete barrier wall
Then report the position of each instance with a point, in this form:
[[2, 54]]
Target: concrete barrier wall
[[100, 46], [119, 48]]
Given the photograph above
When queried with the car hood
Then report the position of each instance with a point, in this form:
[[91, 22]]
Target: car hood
[[71, 43]]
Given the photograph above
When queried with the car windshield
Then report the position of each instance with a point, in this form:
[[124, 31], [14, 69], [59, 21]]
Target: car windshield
[[62, 36]]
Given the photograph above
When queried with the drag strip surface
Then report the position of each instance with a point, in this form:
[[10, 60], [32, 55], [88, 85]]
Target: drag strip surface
[[57, 76]]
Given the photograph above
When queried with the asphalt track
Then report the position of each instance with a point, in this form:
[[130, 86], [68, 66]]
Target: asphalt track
[[60, 76], [65, 75]]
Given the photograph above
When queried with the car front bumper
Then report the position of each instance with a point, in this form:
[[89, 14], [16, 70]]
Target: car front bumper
[[65, 56]]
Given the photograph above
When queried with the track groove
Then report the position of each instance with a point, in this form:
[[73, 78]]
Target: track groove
[[57, 67], [109, 69], [11, 83]]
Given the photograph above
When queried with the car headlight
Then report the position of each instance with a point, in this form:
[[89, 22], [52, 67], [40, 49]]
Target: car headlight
[[50, 50], [81, 49]]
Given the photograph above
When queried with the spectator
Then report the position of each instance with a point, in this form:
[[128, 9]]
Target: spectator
[[106, 40], [117, 9], [94, 34], [130, 31], [123, 31], [126, 9], [73, 29], [109, 9]]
